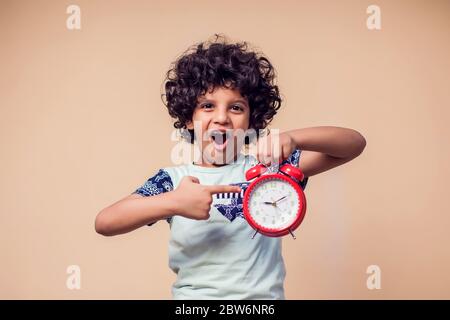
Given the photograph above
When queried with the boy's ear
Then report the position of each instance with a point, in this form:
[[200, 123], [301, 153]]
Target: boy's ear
[[189, 125]]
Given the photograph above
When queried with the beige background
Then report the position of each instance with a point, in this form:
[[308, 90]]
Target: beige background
[[82, 125]]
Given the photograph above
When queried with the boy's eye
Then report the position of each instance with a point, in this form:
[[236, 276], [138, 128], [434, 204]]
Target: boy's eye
[[235, 107], [207, 106]]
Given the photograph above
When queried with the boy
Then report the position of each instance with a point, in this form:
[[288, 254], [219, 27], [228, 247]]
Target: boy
[[216, 91]]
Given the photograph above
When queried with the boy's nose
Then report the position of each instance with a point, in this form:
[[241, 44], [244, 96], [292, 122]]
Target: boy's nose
[[221, 116]]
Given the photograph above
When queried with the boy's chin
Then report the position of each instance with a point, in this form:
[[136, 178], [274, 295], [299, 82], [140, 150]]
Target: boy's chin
[[220, 157]]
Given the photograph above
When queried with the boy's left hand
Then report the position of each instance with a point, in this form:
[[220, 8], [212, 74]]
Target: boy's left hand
[[270, 152]]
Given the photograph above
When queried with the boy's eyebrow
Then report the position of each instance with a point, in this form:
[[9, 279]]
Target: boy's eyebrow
[[242, 101], [212, 100]]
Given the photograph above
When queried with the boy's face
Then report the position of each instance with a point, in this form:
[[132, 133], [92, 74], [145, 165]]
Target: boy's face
[[218, 116]]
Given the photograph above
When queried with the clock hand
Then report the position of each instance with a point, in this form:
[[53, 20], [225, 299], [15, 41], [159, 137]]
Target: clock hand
[[275, 202], [279, 199]]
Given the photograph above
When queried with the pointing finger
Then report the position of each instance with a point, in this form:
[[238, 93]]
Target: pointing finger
[[223, 189]]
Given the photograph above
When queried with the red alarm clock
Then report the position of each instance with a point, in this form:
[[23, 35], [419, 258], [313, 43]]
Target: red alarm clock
[[274, 202]]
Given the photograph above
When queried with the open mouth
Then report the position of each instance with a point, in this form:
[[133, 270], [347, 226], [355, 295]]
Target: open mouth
[[220, 138]]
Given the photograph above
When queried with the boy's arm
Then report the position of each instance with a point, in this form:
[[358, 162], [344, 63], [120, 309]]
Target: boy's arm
[[190, 200], [133, 212], [326, 147]]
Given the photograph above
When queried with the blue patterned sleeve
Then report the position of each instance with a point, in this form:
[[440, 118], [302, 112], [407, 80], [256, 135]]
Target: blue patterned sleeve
[[159, 183], [294, 159]]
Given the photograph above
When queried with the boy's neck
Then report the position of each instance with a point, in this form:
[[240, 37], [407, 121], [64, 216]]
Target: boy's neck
[[207, 164]]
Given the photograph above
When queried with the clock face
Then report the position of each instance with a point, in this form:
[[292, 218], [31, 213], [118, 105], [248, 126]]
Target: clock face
[[273, 203]]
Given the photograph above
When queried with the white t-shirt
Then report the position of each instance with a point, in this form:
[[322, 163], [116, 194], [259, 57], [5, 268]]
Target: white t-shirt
[[217, 258]]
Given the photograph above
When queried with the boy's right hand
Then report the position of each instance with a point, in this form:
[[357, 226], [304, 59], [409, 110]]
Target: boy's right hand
[[194, 199]]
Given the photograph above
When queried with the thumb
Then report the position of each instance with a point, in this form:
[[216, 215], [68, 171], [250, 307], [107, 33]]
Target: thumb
[[223, 189]]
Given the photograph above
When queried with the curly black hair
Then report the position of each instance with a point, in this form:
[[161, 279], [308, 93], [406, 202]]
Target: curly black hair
[[211, 64]]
